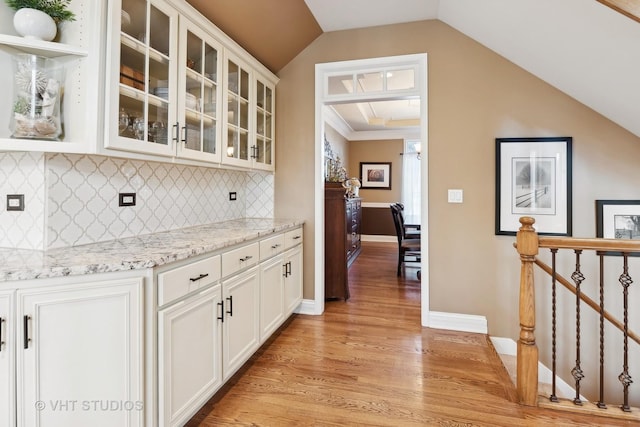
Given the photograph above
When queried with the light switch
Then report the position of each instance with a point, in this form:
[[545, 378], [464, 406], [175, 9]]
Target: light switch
[[455, 196]]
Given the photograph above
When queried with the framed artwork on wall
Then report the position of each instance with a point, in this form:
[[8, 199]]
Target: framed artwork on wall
[[533, 178], [618, 219], [375, 175]]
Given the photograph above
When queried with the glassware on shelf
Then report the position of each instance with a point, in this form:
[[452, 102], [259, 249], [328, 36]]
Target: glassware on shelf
[[123, 122], [139, 127]]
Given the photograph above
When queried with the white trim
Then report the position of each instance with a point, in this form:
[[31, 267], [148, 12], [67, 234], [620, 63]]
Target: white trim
[[335, 121], [378, 238], [308, 306], [419, 63], [505, 346], [458, 322]]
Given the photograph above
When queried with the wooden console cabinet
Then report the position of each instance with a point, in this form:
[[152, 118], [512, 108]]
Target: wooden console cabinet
[[343, 218]]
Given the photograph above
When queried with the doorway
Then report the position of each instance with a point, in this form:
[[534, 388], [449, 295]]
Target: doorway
[[332, 87]]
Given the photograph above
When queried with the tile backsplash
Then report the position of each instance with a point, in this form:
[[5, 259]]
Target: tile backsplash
[[73, 199]]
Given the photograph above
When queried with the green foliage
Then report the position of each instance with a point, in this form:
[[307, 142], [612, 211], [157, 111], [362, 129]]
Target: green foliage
[[57, 9]]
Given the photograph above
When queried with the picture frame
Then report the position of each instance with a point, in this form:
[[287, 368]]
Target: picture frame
[[375, 175], [618, 219], [533, 178]]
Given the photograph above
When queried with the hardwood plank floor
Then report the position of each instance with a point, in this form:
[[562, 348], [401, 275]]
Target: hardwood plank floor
[[368, 362]]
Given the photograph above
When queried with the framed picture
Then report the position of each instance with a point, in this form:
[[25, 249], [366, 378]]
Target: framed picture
[[375, 175], [533, 178], [618, 219]]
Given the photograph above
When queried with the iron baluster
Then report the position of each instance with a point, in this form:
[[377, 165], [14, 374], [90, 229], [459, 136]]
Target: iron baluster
[[625, 280], [601, 403], [577, 372], [553, 397]]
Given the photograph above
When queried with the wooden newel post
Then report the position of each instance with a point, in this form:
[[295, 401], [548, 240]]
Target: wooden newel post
[[527, 380]]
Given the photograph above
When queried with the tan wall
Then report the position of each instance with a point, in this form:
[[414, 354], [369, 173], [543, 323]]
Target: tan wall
[[474, 97], [378, 151]]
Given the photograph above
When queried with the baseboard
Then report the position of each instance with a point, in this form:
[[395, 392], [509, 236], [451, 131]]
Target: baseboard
[[509, 347], [458, 322], [378, 238], [307, 306]]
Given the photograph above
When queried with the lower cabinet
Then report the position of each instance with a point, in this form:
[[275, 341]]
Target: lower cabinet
[[292, 280], [214, 313], [7, 359], [241, 333], [189, 357], [79, 354]]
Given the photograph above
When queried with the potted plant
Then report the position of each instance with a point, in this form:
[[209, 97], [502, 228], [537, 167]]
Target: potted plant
[[38, 19]]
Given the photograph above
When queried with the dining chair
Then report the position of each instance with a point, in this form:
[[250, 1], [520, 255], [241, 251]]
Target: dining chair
[[411, 231], [408, 248]]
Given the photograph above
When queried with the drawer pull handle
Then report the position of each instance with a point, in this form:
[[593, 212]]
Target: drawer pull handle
[[275, 246], [1, 342], [26, 331], [221, 304], [195, 279], [230, 312], [248, 257], [296, 237]]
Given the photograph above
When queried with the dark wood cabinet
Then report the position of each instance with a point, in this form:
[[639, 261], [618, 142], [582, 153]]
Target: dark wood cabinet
[[342, 222]]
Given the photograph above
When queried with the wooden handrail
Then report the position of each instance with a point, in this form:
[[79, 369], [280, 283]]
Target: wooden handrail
[[591, 303], [608, 245]]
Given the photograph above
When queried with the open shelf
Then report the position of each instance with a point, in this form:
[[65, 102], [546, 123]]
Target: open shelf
[[40, 47]]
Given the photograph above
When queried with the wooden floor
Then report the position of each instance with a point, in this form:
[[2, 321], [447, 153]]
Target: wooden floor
[[368, 362]]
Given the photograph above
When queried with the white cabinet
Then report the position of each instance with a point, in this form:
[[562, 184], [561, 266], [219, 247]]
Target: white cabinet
[[200, 67], [239, 97], [292, 280], [190, 357], [79, 354], [263, 146], [280, 280], [142, 77], [271, 296], [207, 328], [164, 83], [77, 53], [249, 111], [241, 332], [7, 359]]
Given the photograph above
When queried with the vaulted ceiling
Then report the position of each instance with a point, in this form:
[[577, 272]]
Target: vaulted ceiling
[[582, 47]]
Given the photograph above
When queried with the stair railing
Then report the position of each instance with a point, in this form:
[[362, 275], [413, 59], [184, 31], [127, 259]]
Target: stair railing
[[527, 244]]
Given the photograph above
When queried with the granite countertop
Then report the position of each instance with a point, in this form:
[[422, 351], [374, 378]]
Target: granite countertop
[[134, 253]]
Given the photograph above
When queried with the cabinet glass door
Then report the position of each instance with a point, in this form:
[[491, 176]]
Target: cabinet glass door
[[145, 90], [263, 148], [199, 85], [237, 149]]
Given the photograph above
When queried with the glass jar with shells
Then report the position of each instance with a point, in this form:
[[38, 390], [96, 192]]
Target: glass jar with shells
[[36, 97]]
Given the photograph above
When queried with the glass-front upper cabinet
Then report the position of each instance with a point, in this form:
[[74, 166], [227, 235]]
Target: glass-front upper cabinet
[[238, 98], [199, 94], [262, 149], [142, 82]]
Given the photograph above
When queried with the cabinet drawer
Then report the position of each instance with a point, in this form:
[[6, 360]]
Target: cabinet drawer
[[239, 259], [180, 281], [271, 246], [292, 238]]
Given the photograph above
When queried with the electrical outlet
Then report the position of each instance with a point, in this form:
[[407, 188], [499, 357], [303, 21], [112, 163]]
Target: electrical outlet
[[233, 195], [126, 199], [15, 202]]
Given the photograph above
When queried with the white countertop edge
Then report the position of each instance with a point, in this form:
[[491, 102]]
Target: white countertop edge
[[138, 252]]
